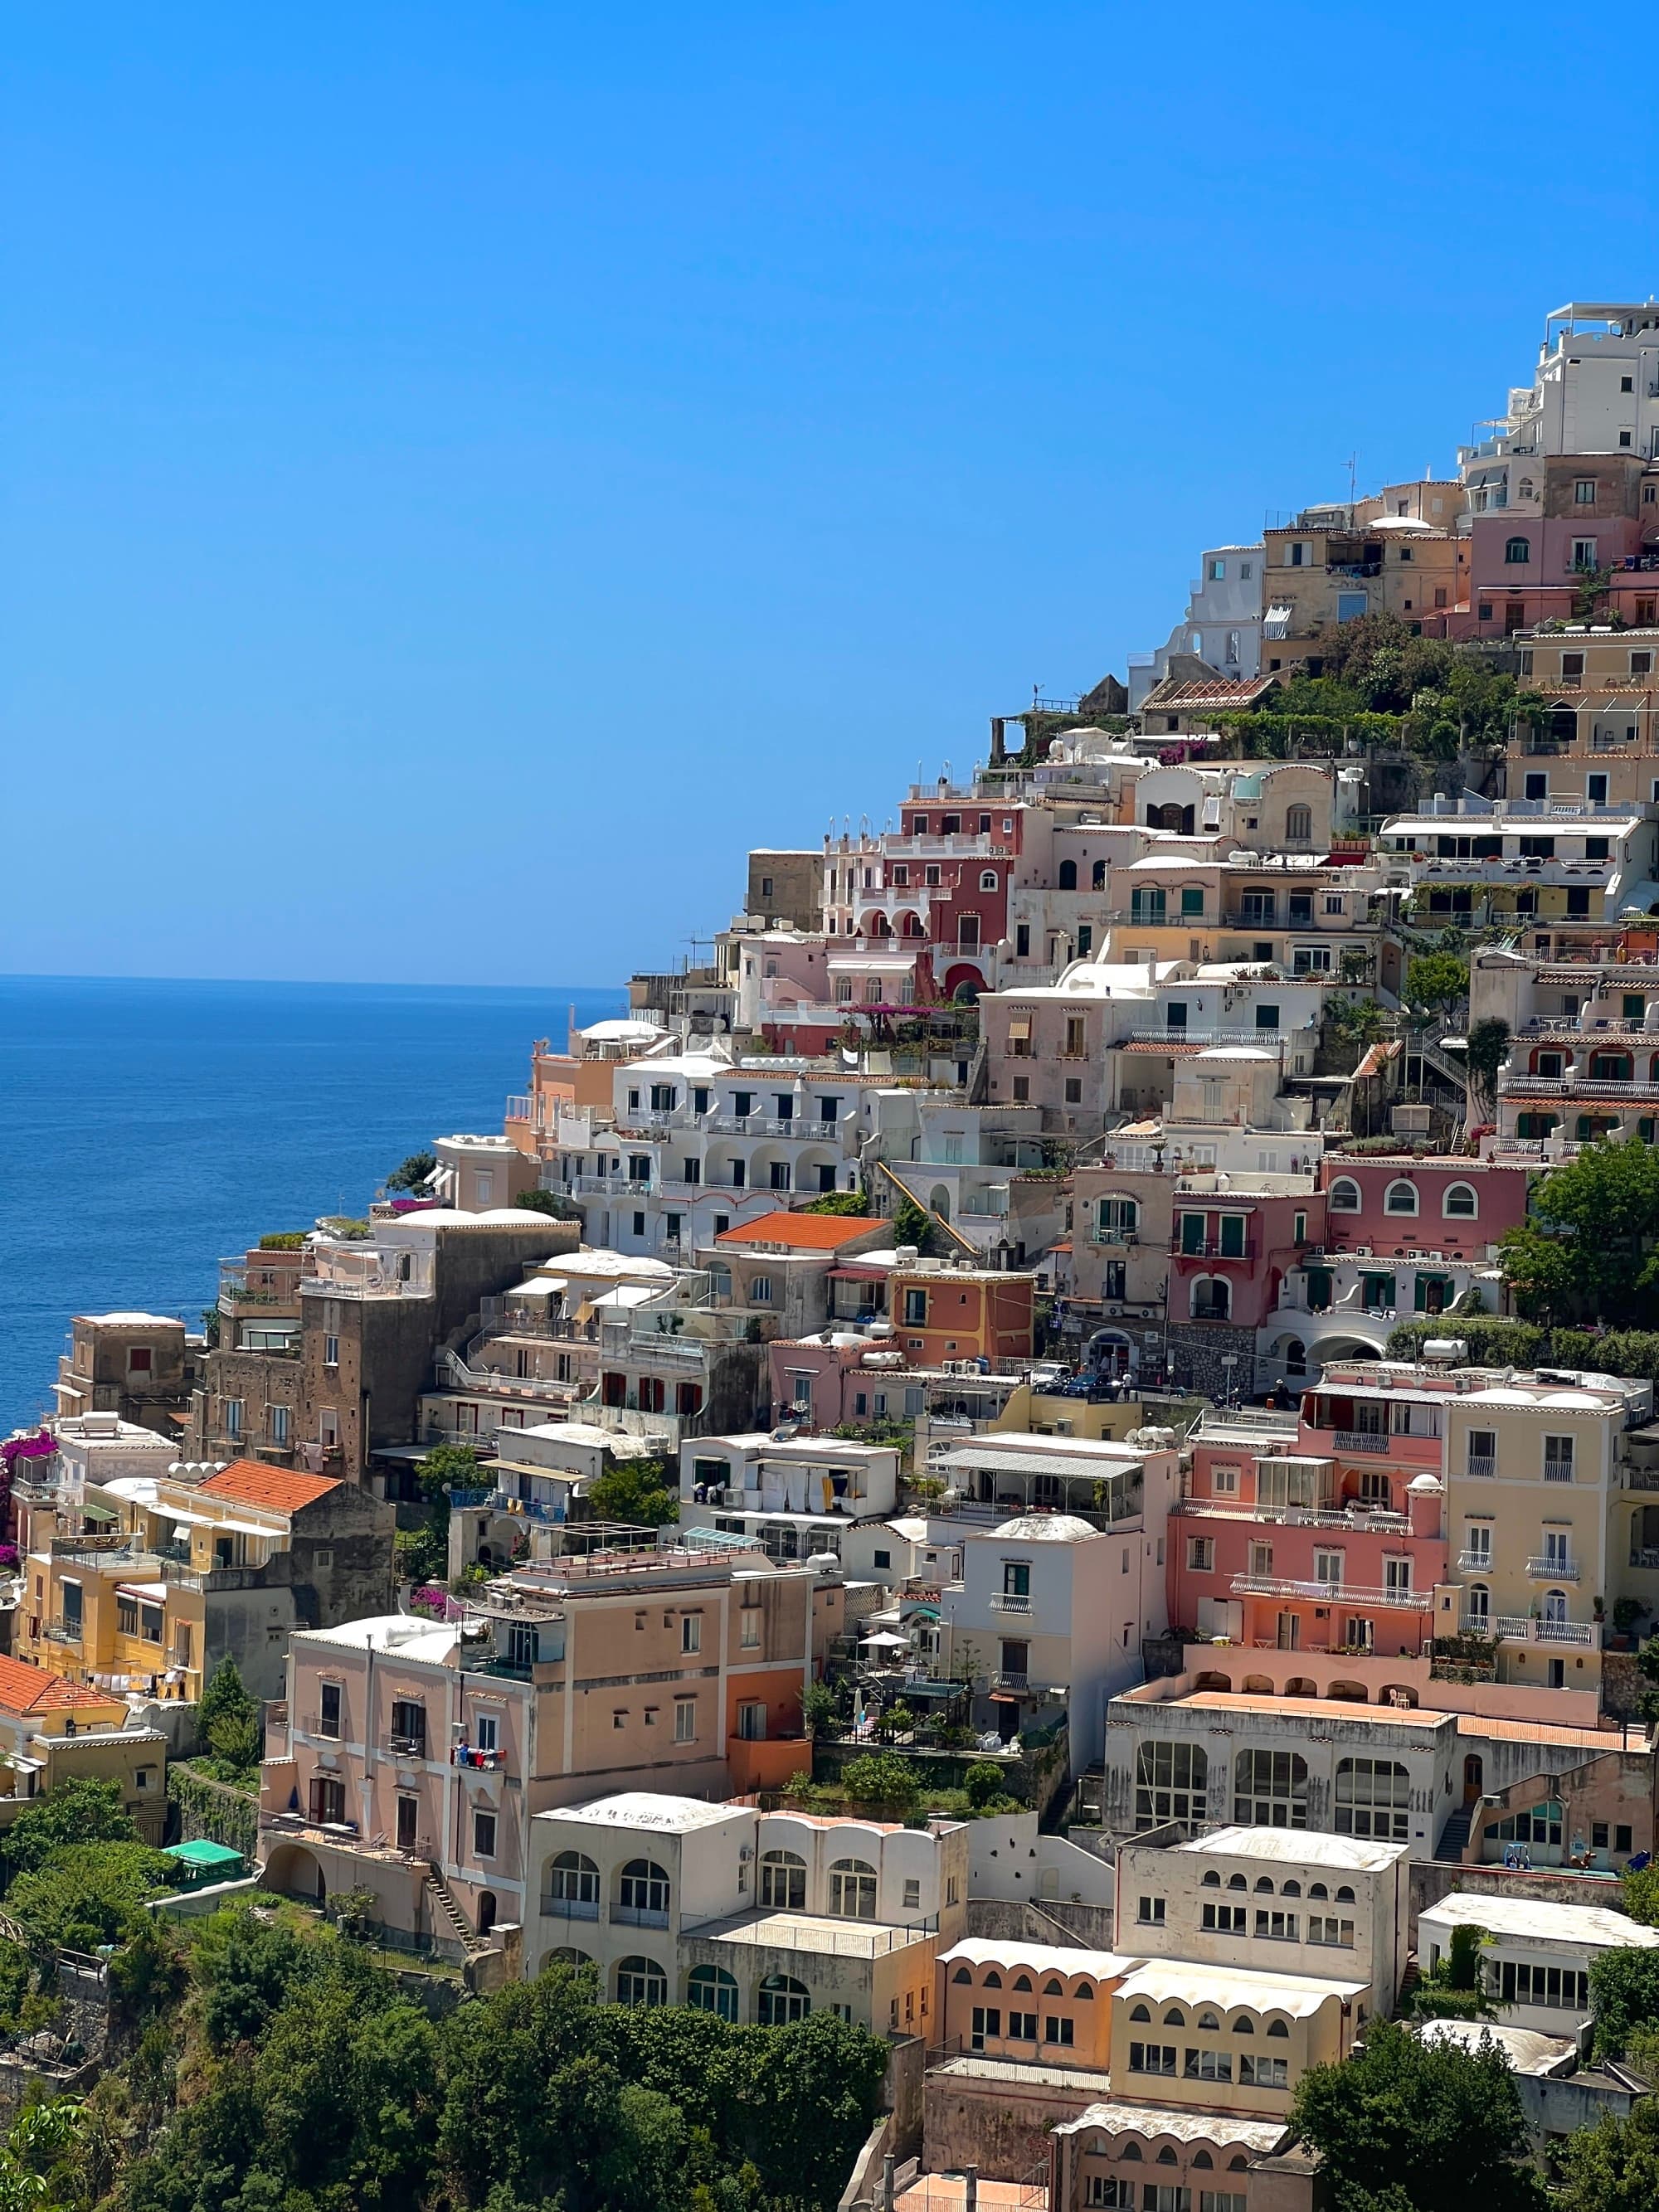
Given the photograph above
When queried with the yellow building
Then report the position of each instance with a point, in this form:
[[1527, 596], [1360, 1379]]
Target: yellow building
[[1203, 2036], [52, 1731]]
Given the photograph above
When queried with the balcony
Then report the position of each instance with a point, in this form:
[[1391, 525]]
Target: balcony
[[1362, 1440], [406, 1747], [640, 1915], [64, 1631], [1213, 1247], [1550, 1569], [1344, 1594], [1007, 1602], [570, 1908], [1475, 1563], [1516, 1629], [1644, 1555], [1481, 1465]]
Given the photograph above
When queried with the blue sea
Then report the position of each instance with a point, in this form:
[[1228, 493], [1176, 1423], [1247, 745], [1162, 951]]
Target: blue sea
[[147, 1129]]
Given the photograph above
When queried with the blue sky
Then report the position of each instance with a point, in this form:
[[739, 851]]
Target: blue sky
[[469, 473]]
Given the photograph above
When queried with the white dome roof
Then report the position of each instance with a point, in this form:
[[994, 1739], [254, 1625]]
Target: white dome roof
[[1425, 1486], [1047, 1529]]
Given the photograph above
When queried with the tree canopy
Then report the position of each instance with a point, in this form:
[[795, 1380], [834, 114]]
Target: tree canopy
[[636, 1491], [78, 1811], [1412, 2125], [413, 1172], [1589, 1251]]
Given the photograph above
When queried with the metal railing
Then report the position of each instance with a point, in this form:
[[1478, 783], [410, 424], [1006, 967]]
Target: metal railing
[[1329, 1593], [1481, 1465], [1361, 1440], [1547, 1568], [1513, 1628], [1478, 1562], [1007, 1602], [571, 1908]]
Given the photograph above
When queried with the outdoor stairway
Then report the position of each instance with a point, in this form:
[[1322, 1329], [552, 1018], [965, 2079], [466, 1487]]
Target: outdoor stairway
[[1453, 1837], [1408, 1981], [447, 1918]]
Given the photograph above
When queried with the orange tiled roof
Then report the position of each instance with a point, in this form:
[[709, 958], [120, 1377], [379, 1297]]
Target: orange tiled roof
[[807, 1232], [282, 1488], [27, 1689]]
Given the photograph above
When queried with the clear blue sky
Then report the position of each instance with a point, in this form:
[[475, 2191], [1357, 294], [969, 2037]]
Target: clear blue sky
[[470, 472]]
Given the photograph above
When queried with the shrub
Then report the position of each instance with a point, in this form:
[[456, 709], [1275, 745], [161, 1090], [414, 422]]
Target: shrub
[[881, 1778]]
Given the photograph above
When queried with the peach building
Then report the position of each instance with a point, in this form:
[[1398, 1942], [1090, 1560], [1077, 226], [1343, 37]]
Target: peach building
[[410, 1757]]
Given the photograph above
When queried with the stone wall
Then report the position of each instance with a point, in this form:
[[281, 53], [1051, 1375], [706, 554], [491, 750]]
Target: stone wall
[[1000, 2119], [1197, 1350]]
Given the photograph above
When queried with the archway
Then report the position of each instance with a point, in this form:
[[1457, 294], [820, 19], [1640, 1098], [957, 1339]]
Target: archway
[[939, 1201], [295, 1872], [1474, 1777], [487, 1910]]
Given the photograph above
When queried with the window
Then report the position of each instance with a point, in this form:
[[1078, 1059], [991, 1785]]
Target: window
[[280, 1419], [685, 1720], [1016, 1578], [573, 1883], [328, 1718], [1373, 1798], [1171, 1783], [1583, 492], [483, 1834], [1058, 2031], [1276, 1927], [1322, 1927], [1267, 1016], [711, 1988], [330, 1351], [760, 1290], [1344, 1196], [1153, 2058], [853, 1889], [409, 1726], [1219, 2200], [641, 1981], [1150, 1914], [1584, 552], [782, 1882], [1200, 1554], [1401, 1197], [1562, 1989], [1270, 1790], [1208, 2066], [1265, 2072], [1298, 823], [987, 2025], [1226, 1920], [691, 1631]]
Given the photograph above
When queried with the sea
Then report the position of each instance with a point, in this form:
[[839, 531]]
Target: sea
[[149, 1128]]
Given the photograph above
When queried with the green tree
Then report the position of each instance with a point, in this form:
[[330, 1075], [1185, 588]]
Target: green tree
[[553, 1203], [78, 1811], [1623, 1987], [1641, 1889], [37, 2157], [914, 1225], [985, 1784], [1438, 980], [882, 1778], [1488, 1048], [1456, 1989], [1588, 1248], [636, 1491], [1442, 2123], [1613, 2167], [819, 1708], [226, 1698], [853, 1202], [86, 1894], [413, 1172]]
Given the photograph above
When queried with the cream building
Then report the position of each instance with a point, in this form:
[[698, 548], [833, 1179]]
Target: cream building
[[1536, 1962], [1188, 2034]]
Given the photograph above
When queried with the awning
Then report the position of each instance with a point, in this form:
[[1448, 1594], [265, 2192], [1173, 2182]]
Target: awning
[[99, 1513], [885, 1636], [1005, 1698], [154, 1593], [1276, 622], [1020, 1027], [543, 1287]]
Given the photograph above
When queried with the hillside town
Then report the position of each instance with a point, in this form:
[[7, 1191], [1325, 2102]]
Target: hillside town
[[1044, 1325]]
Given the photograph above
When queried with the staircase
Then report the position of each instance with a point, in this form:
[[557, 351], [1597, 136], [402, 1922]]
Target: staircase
[[449, 1922], [1454, 1837], [1408, 1981]]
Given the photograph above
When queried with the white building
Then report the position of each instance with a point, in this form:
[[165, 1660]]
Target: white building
[[755, 1916], [1222, 625], [805, 1497], [1536, 1966]]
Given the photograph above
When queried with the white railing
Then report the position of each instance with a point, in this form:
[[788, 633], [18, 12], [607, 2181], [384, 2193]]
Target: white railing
[[1345, 1594], [1515, 1629], [1006, 1602], [1360, 1440], [1547, 1568]]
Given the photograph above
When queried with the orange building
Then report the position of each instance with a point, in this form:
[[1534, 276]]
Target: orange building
[[942, 1312]]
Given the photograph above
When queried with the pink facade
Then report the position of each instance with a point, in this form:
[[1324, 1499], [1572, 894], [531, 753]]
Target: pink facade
[[1229, 1252], [833, 1384], [1308, 1552], [1395, 1204]]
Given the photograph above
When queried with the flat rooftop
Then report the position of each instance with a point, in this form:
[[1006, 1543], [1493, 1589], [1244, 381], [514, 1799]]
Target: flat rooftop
[[814, 1934], [1155, 2120], [1176, 1981], [1039, 1958], [1296, 1846], [645, 1808], [1324, 1709], [1534, 1920]]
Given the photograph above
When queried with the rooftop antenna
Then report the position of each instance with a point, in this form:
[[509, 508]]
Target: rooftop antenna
[[1353, 460]]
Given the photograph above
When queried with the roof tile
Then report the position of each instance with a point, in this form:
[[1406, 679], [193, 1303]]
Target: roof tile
[[283, 1489]]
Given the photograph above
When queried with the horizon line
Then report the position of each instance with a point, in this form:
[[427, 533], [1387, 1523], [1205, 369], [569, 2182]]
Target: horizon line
[[289, 982]]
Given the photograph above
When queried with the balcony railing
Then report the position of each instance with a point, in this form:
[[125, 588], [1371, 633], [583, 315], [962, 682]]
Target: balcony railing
[[1361, 1440], [570, 1908], [1008, 1601], [640, 1915], [1323, 1593], [1478, 1563], [1481, 1465], [1212, 1248], [64, 1631], [1644, 1555], [1516, 1629], [406, 1747], [1548, 1568]]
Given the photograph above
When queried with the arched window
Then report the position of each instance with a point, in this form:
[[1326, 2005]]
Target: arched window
[[642, 1894], [1401, 1197], [1119, 1219], [1317, 1890], [1022, 1982], [1460, 1202], [1202, 2159], [987, 881], [1479, 1607], [1290, 1889], [1213, 1298], [853, 1889], [1243, 2025], [1373, 1798], [1174, 2017], [1097, 876], [782, 2000], [1054, 1988], [641, 1981], [1140, 2012], [1238, 2163], [1171, 1782], [1213, 1880], [993, 1980], [1236, 1882], [1132, 2150], [1166, 2156], [566, 1956], [1517, 551], [782, 1881], [1264, 1882], [1278, 2027], [1068, 875], [1295, 1356], [961, 1974], [711, 1988], [1207, 2019], [1345, 1895], [1344, 1196], [1084, 1993], [1298, 823], [573, 1887]]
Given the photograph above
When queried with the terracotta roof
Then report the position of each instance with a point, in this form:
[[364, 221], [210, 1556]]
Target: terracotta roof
[[282, 1488], [27, 1689], [807, 1232], [1219, 692]]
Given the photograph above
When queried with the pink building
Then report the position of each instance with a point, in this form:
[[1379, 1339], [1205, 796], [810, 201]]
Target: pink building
[[1392, 1205], [1233, 1239], [1290, 1543]]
